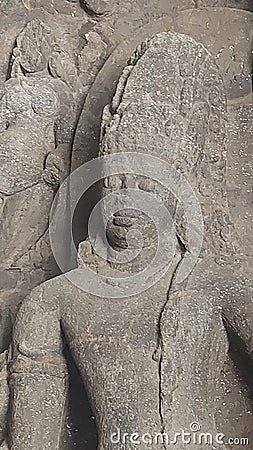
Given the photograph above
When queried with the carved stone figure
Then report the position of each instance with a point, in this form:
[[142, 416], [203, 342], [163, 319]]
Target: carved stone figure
[[42, 90], [47, 65], [151, 362], [30, 170], [60, 46]]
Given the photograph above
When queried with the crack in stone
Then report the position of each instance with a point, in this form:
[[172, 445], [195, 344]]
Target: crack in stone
[[35, 183], [158, 354], [10, 62]]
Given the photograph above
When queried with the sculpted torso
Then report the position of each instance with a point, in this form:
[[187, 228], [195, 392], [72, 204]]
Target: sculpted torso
[[28, 113], [150, 362]]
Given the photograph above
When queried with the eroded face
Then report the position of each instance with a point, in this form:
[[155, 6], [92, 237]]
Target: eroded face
[[125, 220]]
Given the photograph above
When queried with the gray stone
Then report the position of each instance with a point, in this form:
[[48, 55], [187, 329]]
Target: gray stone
[[60, 47], [240, 4], [225, 31], [149, 362], [44, 77], [46, 68]]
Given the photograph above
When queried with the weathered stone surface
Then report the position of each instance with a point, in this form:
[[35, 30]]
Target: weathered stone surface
[[229, 38], [47, 65], [36, 47], [240, 174], [126, 132], [158, 347], [62, 46], [4, 394], [47, 69], [241, 4]]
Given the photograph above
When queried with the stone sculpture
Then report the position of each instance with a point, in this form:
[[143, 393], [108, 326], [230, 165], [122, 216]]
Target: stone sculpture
[[150, 363], [30, 173], [43, 82], [41, 94]]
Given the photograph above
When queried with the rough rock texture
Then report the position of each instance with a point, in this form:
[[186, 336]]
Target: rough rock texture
[[47, 66], [241, 4], [226, 33], [50, 55], [150, 363], [45, 74], [63, 44], [130, 116]]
